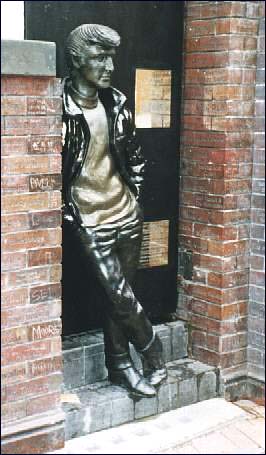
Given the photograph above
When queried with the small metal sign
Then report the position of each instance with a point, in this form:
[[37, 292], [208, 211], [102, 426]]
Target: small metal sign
[[153, 98], [154, 249]]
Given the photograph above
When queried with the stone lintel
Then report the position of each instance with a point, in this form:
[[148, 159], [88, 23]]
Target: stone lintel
[[28, 58]]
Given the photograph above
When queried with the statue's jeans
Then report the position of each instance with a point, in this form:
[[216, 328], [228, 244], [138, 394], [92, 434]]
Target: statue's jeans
[[112, 251]]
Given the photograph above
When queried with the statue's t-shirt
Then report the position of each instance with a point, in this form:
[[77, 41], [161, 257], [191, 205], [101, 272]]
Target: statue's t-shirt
[[99, 191]]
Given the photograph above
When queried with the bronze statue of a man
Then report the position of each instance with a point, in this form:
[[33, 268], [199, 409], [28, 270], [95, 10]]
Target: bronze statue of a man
[[102, 176]]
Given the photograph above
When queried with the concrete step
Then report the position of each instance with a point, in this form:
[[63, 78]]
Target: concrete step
[[101, 405], [83, 354]]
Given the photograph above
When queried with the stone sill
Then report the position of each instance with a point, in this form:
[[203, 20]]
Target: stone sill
[[28, 58]]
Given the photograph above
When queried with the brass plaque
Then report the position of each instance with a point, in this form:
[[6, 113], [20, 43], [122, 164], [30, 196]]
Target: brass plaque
[[153, 98], [154, 248]]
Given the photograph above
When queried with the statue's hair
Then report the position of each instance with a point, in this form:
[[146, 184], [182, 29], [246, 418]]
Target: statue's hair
[[86, 34]]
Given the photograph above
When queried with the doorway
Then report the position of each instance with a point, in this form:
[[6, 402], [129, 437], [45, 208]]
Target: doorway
[[150, 55]]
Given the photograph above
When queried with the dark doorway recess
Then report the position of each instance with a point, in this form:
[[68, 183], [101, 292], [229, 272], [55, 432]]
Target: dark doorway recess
[[151, 33]]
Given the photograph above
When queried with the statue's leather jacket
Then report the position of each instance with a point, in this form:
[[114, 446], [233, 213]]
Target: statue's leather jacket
[[123, 144]]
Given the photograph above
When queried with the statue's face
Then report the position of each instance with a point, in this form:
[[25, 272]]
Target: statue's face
[[96, 65]]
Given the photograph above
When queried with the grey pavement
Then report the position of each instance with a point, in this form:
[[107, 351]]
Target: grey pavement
[[213, 426]]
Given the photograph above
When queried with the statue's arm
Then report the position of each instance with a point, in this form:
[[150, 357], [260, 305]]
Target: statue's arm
[[135, 157]]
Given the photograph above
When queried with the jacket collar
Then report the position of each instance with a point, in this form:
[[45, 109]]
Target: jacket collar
[[111, 98]]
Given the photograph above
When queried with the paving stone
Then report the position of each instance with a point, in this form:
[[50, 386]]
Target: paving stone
[[74, 370], [188, 392], [207, 385], [95, 369], [164, 398], [145, 407], [122, 411], [239, 438], [179, 340]]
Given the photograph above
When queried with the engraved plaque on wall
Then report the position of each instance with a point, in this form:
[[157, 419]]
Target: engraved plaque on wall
[[154, 248], [153, 98]]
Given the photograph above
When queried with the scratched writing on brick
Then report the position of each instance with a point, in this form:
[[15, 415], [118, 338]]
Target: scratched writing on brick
[[43, 183], [47, 331]]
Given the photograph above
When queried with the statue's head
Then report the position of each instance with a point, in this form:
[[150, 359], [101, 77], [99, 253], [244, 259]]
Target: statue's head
[[89, 53]]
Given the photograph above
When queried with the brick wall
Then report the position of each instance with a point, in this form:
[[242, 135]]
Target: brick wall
[[31, 263], [256, 320], [220, 57]]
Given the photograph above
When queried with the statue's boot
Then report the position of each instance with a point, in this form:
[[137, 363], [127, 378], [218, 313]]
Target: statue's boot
[[153, 364], [122, 372]]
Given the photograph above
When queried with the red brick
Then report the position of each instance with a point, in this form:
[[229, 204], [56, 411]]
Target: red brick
[[227, 249], [237, 186], [205, 323], [14, 336], [185, 227], [14, 223], [45, 366], [45, 293], [55, 273], [207, 43], [245, 26], [218, 264], [257, 278], [25, 85], [232, 124], [189, 213], [199, 28], [206, 356], [55, 164], [215, 232], [13, 261], [13, 374], [45, 219], [233, 358], [44, 256], [13, 412], [238, 139], [236, 294], [14, 145], [25, 164], [45, 182], [197, 92], [40, 386], [29, 351], [55, 200], [196, 123], [45, 144], [257, 262], [37, 443], [206, 60], [28, 277], [43, 404], [248, 76], [16, 297], [24, 202], [31, 239], [193, 243], [13, 105], [206, 138], [43, 106], [31, 125], [14, 184], [233, 310], [207, 293], [234, 92], [228, 280], [45, 330]]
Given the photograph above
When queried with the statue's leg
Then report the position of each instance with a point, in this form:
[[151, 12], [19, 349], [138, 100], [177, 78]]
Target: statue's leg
[[138, 326], [98, 248]]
